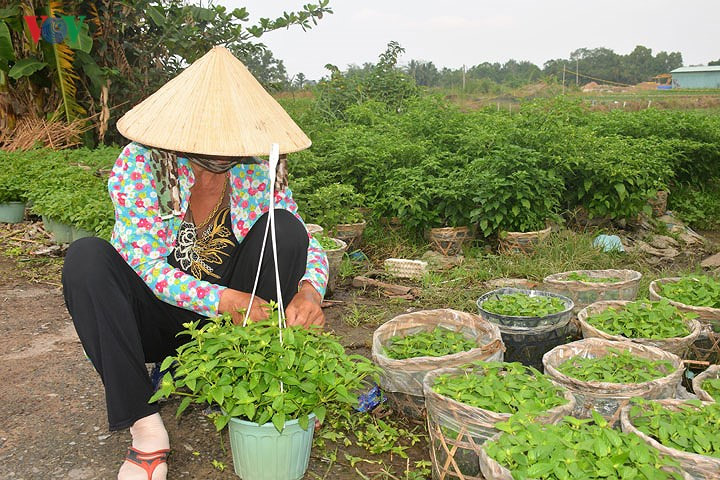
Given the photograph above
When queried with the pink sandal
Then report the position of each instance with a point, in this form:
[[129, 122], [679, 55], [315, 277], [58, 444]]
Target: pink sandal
[[147, 461]]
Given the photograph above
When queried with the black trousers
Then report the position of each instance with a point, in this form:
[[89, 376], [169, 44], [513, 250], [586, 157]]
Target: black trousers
[[122, 324]]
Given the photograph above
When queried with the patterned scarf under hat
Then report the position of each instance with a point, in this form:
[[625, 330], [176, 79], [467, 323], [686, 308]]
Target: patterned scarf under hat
[[165, 171]]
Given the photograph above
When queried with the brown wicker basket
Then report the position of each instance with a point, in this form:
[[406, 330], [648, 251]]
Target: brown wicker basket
[[401, 380], [449, 240], [607, 398], [350, 233], [521, 242], [697, 381], [707, 347], [335, 257], [698, 466], [458, 431], [677, 346], [585, 293], [314, 229]]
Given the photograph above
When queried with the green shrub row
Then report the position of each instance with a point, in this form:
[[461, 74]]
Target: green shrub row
[[431, 164], [63, 185]]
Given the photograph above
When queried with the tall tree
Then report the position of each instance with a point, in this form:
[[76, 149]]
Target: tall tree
[[132, 48]]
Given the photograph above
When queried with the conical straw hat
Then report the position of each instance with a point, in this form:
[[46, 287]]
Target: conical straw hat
[[214, 107]]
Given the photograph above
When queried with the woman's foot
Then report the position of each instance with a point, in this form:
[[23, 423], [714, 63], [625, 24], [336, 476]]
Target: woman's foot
[[148, 436]]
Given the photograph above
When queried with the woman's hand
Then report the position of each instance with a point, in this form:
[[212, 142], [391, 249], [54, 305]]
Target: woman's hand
[[236, 302], [305, 308]]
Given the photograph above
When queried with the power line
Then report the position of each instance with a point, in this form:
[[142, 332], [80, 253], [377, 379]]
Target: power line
[[595, 78]]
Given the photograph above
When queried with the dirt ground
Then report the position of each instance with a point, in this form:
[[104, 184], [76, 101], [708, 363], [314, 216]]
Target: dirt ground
[[53, 423]]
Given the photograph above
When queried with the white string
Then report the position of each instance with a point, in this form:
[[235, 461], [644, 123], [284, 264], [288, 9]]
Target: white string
[[271, 226]]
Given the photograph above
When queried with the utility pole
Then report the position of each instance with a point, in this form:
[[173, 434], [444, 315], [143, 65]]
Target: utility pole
[[577, 71], [563, 79], [463, 78]]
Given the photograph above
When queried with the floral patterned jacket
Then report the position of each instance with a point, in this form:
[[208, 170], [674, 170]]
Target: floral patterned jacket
[[144, 239]]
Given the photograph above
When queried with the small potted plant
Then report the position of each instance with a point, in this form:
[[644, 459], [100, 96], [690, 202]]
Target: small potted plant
[[589, 286], [12, 202], [516, 196], [335, 250], [268, 382], [337, 207]]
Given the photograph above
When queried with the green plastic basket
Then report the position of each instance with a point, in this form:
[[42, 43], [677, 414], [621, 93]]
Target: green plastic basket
[[12, 212], [261, 453], [61, 232]]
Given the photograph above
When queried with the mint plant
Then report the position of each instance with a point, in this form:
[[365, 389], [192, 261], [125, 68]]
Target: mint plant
[[502, 388], [615, 367], [251, 375], [693, 427], [523, 305], [436, 343], [695, 290], [330, 205], [584, 277], [326, 242], [712, 387], [643, 319], [574, 449]]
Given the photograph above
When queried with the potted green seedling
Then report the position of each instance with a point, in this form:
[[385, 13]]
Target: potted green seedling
[[516, 197], [532, 322], [12, 203], [707, 384], [650, 323], [574, 448], [269, 384], [338, 208], [589, 286], [604, 374], [686, 431], [465, 404], [698, 294], [335, 250], [12, 191]]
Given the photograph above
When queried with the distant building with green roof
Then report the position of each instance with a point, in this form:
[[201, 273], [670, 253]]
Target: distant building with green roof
[[696, 77]]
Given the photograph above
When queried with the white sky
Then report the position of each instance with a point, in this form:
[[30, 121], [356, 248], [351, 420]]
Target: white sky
[[456, 32]]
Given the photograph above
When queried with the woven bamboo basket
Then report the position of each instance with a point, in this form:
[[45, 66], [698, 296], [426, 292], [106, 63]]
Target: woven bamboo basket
[[521, 242], [607, 398], [449, 240], [707, 347], [402, 380], [314, 229], [677, 346], [492, 470], [405, 268], [699, 467], [458, 431], [697, 382], [335, 257], [350, 233], [585, 293]]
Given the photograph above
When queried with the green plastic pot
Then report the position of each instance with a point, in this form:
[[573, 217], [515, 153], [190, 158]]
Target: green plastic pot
[[76, 233], [61, 232], [12, 212], [261, 453]]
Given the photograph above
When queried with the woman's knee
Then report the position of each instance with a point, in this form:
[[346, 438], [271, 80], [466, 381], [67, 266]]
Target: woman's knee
[[88, 260], [290, 230]]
